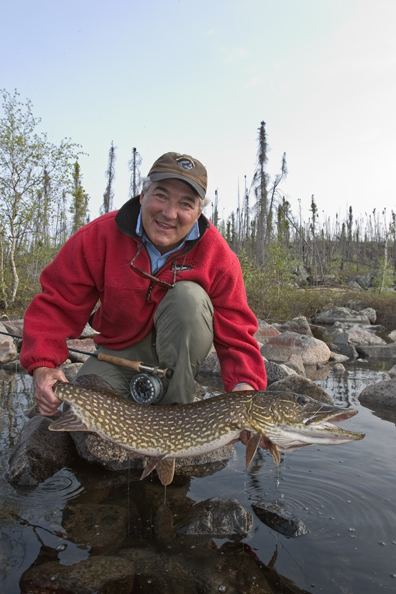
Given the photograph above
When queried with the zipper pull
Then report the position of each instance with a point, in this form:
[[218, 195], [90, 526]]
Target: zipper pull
[[149, 292]]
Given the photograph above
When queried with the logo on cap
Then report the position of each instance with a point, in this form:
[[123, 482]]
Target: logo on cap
[[185, 163]]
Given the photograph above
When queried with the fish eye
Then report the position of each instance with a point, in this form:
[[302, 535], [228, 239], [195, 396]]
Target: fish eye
[[302, 400]]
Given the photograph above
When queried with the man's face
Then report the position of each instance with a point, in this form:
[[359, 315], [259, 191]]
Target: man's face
[[170, 208]]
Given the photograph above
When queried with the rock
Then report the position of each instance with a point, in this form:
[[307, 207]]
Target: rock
[[265, 332], [295, 363], [8, 351], [317, 331], [384, 351], [70, 370], [392, 335], [359, 336], [354, 285], [337, 358], [87, 344], [276, 371], [211, 364], [379, 395], [299, 325], [341, 314], [301, 385], [102, 528], [317, 373], [370, 313], [13, 366], [88, 332], [279, 519], [348, 350], [311, 350], [101, 574], [392, 371], [39, 453], [14, 326], [338, 368], [219, 518], [92, 448]]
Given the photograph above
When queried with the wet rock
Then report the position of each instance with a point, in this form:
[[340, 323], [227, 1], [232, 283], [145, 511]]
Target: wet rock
[[39, 453], [279, 519], [338, 368], [103, 528], [86, 344], [265, 332], [102, 575], [299, 325], [348, 350], [92, 448], [277, 371], [311, 350], [216, 517], [8, 351], [338, 358], [384, 351], [381, 394], [301, 385], [341, 314], [317, 373]]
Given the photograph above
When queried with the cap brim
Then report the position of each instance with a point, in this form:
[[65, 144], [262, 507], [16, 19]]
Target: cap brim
[[154, 177]]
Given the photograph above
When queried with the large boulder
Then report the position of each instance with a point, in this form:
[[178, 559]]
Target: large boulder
[[380, 395], [311, 350], [357, 335], [341, 314], [265, 332]]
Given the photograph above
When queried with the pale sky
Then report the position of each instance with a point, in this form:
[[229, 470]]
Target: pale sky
[[198, 76]]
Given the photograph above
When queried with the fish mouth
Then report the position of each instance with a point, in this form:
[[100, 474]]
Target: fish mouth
[[329, 417]]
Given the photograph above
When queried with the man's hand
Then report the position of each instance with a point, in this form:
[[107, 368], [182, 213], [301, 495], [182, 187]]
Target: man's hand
[[44, 379]]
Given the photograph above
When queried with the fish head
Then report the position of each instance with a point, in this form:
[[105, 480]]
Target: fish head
[[292, 420]]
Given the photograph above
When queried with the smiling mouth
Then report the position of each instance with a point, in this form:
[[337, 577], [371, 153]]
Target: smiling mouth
[[164, 226]]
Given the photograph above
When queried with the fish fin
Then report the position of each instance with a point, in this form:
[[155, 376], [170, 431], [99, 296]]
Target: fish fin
[[251, 447], [94, 382], [151, 465], [166, 470], [68, 422], [274, 453]]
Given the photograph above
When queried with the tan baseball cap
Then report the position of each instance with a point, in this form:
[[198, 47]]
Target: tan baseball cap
[[184, 167]]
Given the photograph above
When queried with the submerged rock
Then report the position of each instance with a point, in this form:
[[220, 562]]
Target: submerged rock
[[279, 519], [216, 517], [104, 575]]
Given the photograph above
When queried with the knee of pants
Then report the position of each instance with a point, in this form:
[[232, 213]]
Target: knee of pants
[[186, 305]]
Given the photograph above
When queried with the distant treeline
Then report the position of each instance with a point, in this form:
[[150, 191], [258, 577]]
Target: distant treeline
[[43, 202]]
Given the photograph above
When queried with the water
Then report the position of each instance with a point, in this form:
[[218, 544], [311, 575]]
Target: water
[[344, 495]]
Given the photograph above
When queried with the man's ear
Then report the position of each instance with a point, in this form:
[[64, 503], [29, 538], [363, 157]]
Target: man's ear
[[141, 198]]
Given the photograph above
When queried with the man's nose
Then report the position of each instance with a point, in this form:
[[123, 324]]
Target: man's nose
[[170, 211]]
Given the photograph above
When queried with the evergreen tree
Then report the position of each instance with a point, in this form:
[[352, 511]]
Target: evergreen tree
[[135, 184], [79, 206], [108, 196]]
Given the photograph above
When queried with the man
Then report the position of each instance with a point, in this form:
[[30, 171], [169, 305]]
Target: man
[[169, 287]]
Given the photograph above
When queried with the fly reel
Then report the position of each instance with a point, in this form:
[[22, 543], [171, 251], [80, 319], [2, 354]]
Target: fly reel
[[146, 388]]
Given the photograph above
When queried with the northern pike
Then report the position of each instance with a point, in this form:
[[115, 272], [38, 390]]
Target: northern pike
[[285, 420]]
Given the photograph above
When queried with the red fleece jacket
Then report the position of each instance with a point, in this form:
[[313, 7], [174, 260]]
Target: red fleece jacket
[[95, 264]]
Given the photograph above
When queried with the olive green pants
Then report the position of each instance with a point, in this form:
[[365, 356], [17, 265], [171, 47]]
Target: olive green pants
[[181, 339]]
